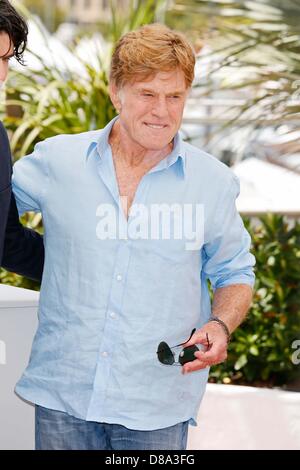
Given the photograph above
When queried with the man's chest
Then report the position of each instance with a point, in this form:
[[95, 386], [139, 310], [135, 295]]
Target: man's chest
[[128, 180]]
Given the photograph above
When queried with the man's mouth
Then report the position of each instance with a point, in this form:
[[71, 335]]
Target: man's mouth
[[155, 126]]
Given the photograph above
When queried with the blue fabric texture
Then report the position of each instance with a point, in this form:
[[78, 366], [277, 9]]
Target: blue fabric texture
[[109, 296]]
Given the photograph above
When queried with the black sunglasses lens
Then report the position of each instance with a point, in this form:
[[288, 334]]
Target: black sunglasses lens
[[187, 354], [164, 354]]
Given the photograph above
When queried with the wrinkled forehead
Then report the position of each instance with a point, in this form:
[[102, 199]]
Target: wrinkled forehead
[[173, 78]]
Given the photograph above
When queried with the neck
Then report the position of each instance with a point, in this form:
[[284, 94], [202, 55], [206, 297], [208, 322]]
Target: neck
[[134, 155]]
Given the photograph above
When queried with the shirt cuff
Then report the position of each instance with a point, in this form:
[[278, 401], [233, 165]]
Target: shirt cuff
[[245, 278]]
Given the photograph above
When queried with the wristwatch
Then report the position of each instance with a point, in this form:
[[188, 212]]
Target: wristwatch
[[223, 325]]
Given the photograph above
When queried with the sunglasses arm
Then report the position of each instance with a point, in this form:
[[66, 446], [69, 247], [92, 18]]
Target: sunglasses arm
[[181, 344]]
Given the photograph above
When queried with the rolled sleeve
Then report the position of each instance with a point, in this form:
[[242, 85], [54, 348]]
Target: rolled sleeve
[[227, 259], [29, 180]]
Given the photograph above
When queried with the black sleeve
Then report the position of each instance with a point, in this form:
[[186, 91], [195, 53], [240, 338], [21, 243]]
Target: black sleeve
[[23, 248], [5, 184], [5, 160]]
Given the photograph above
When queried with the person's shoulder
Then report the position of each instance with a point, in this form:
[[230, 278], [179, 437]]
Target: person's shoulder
[[73, 139], [65, 148], [201, 163]]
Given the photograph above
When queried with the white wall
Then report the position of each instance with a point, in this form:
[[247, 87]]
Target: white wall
[[235, 417], [18, 321]]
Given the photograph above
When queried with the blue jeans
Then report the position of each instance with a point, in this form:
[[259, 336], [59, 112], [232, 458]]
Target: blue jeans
[[55, 430]]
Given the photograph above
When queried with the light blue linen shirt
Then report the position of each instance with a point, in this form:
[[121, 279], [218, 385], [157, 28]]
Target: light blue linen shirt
[[106, 303]]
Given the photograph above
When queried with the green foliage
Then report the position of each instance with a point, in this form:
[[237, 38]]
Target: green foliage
[[52, 102], [140, 12], [255, 54], [13, 279], [261, 349]]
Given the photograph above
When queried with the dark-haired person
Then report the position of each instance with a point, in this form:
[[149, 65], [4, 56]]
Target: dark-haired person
[[21, 249]]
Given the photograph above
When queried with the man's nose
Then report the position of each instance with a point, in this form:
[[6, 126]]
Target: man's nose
[[161, 108]]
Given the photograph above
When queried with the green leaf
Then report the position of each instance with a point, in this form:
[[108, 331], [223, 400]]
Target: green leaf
[[241, 362], [254, 350]]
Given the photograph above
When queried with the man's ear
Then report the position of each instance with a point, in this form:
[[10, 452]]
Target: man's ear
[[114, 93]]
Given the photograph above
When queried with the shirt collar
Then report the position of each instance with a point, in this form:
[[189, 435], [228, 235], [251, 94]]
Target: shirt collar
[[177, 155]]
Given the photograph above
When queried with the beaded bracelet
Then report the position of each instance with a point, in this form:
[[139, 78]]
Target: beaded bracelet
[[224, 326]]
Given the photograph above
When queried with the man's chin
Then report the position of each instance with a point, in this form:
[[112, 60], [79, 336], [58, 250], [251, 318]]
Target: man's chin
[[156, 144]]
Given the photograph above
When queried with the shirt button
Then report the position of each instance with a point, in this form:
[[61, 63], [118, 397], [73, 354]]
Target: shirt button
[[104, 354], [112, 315], [119, 277]]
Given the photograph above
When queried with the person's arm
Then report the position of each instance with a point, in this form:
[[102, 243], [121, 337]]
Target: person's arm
[[5, 184], [228, 265], [231, 304], [29, 183], [23, 251]]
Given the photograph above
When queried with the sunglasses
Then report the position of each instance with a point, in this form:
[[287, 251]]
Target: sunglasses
[[166, 356]]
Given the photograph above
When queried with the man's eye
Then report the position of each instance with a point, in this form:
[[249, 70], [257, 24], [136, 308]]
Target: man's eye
[[147, 94]]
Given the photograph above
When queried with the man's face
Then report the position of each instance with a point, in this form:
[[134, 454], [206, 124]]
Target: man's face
[[151, 110], [6, 52]]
